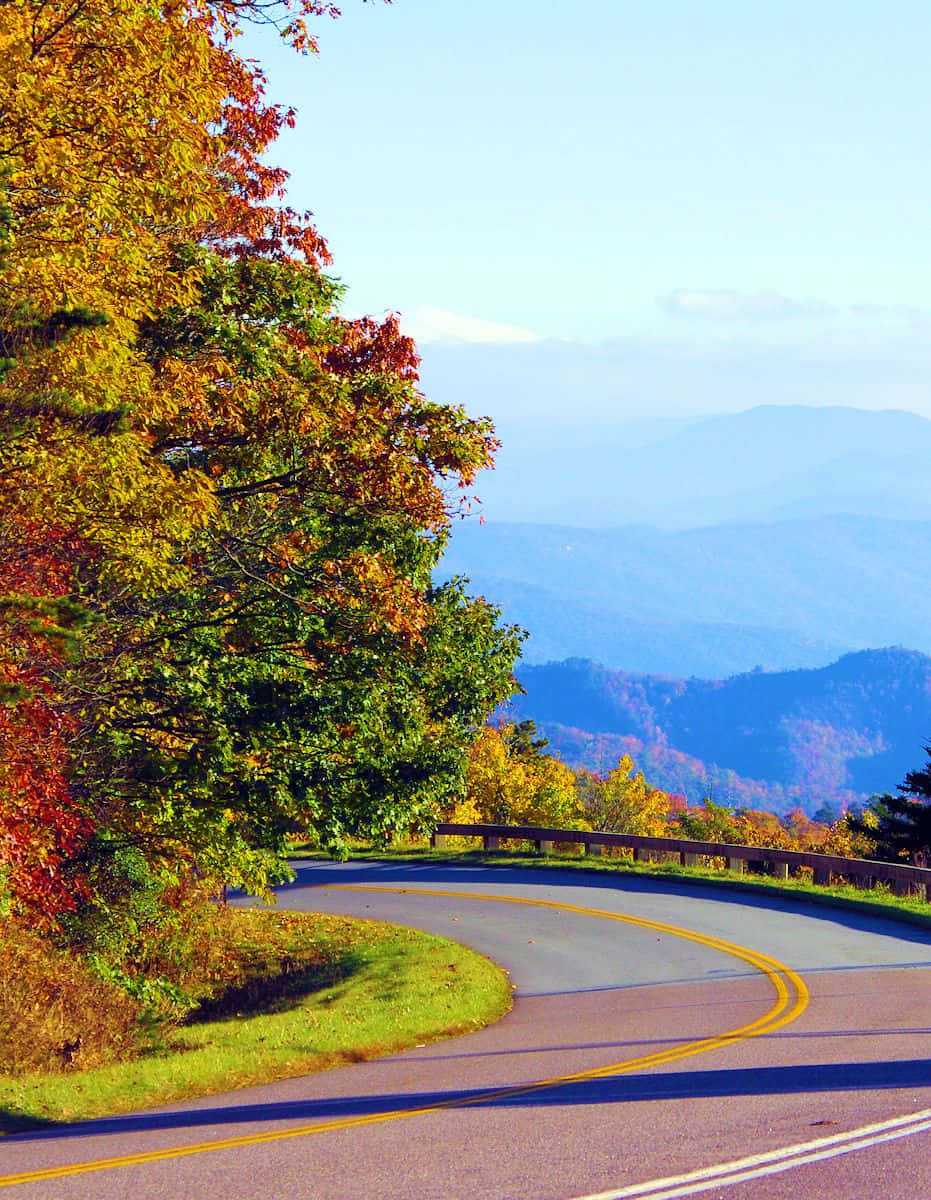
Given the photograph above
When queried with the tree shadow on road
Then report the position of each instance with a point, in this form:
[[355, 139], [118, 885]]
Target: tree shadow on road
[[613, 1089], [15, 1122]]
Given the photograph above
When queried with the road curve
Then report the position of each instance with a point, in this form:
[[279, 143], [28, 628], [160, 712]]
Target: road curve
[[640, 1060]]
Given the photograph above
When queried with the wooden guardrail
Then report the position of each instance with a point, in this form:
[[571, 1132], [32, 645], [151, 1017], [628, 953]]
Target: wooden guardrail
[[862, 872]]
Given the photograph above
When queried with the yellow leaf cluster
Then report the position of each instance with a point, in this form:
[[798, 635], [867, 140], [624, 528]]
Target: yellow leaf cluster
[[108, 159], [504, 787], [623, 801], [107, 108]]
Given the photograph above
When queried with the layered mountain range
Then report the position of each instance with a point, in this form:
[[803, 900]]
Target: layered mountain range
[[710, 601], [759, 549], [778, 537], [826, 737], [770, 463]]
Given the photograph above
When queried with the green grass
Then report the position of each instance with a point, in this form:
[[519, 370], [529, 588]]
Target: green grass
[[879, 902], [339, 991]]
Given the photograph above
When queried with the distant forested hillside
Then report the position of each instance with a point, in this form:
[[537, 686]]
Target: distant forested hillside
[[831, 736], [563, 625]]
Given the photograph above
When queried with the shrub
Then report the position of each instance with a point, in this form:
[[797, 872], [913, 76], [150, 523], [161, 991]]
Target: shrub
[[55, 1013]]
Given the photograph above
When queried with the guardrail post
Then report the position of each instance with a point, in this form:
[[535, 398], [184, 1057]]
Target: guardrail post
[[903, 887], [864, 882], [822, 877], [438, 841], [737, 865], [641, 855], [544, 846], [491, 841], [594, 848], [688, 860], [780, 870]]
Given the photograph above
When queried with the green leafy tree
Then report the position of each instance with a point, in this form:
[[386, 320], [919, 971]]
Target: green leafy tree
[[522, 740], [308, 674]]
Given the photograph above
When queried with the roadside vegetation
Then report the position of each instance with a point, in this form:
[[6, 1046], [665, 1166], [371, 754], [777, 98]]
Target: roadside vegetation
[[261, 996], [511, 779]]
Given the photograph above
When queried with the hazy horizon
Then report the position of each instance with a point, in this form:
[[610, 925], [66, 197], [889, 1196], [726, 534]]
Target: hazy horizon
[[675, 210]]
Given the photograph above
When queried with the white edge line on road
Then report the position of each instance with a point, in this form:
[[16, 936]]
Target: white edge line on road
[[771, 1162]]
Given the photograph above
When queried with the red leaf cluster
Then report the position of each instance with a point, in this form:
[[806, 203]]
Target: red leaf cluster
[[41, 827], [377, 346]]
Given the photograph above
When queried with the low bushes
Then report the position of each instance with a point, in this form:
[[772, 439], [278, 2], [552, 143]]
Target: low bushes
[[55, 1013]]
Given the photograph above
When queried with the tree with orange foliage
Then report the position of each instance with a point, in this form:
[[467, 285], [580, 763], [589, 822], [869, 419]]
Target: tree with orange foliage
[[308, 672]]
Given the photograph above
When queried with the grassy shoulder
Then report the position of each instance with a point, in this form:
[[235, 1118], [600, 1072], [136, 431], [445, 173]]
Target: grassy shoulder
[[878, 902], [298, 993]]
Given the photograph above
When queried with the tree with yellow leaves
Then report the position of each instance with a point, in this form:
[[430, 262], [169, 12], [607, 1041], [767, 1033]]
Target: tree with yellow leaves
[[623, 802], [509, 781]]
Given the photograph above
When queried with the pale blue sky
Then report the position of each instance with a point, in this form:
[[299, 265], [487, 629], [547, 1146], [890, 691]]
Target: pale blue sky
[[717, 175]]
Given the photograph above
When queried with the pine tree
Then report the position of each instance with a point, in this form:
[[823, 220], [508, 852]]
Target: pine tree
[[900, 826]]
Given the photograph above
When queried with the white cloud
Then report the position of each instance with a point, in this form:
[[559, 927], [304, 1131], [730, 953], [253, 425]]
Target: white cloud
[[724, 305], [428, 324]]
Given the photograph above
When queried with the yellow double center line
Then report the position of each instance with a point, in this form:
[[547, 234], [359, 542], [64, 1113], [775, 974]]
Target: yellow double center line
[[791, 1001]]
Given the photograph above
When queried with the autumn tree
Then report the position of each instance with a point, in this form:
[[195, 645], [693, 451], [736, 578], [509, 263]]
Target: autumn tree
[[94, 100], [510, 781], [239, 495], [42, 829], [794, 830], [709, 822], [622, 801]]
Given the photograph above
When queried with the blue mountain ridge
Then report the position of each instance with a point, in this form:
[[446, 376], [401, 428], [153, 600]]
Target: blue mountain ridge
[[834, 735]]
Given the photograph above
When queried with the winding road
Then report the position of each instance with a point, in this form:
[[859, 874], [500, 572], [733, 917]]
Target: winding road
[[666, 1041]]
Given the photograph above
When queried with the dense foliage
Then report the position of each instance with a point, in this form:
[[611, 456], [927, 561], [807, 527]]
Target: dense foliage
[[220, 502], [513, 779], [621, 801]]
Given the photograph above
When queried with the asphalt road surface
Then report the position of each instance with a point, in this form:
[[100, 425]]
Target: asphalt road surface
[[665, 1041]]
